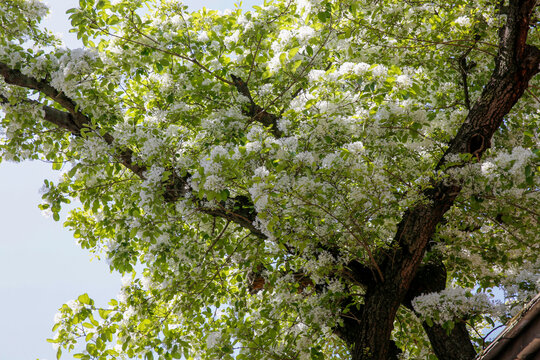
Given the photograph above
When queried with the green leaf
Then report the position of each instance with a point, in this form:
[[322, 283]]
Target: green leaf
[[224, 195], [323, 16], [104, 313], [296, 65], [293, 52], [84, 299], [316, 353]]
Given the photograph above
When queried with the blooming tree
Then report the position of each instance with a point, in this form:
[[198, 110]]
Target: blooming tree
[[311, 179]]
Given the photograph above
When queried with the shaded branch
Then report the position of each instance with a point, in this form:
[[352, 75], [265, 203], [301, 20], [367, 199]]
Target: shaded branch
[[61, 119], [254, 111], [239, 210], [464, 68]]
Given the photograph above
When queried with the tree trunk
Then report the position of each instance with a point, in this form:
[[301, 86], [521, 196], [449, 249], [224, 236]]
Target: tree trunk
[[382, 299], [515, 64], [453, 345]]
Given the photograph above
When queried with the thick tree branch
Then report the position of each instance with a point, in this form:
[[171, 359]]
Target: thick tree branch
[[15, 77], [61, 119], [515, 65], [74, 120], [239, 210]]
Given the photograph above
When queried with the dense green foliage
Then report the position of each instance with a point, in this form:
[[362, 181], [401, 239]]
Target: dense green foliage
[[245, 159]]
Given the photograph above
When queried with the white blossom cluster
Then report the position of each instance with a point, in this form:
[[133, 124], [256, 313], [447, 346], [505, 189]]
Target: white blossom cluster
[[520, 285], [453, 303], [506, 164], [72, 65], [19, 15]]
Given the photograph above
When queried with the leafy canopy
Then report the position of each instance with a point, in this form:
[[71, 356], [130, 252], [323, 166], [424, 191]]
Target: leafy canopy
[[245, 159]]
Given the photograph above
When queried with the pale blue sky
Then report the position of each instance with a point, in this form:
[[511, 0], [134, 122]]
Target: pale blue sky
[[41, 265]]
